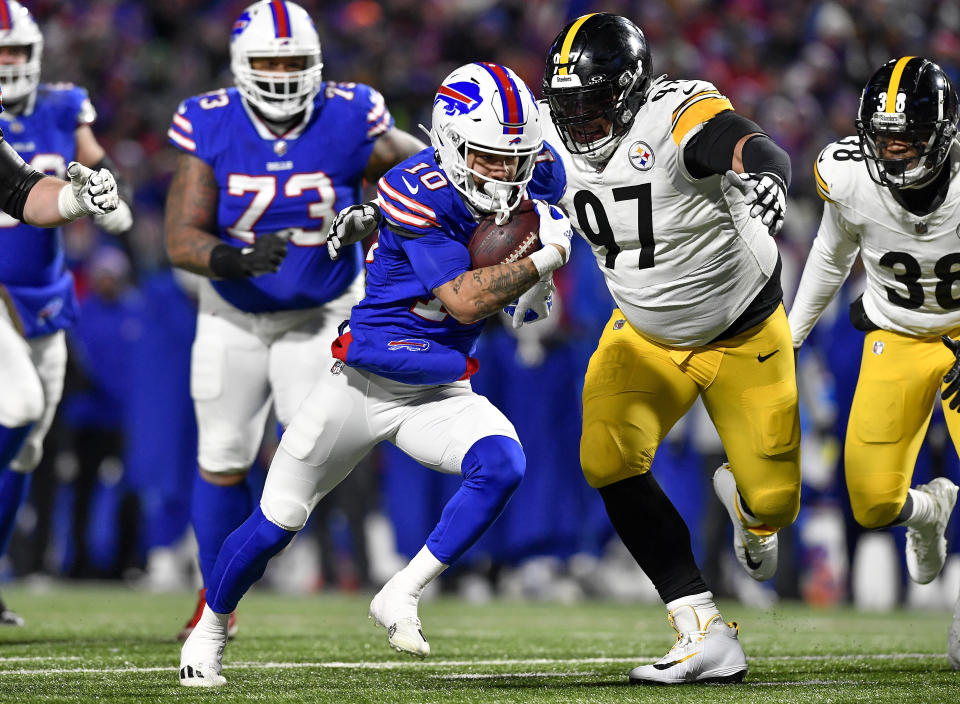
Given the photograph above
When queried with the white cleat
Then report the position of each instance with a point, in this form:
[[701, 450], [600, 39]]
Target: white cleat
[[926, 546], [757, 553], [397, 612], [705, 654], [201, 656], [953, 638]]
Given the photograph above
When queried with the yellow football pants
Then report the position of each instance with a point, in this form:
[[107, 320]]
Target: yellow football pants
[[900, 379], [636, 389]]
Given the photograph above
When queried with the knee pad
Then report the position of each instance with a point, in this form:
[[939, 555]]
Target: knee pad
[[286, 512], [876, 500], [605, 458], [777, 507], [23, 405], [497, 459]]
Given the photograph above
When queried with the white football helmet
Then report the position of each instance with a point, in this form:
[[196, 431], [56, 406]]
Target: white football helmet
[[486, 107], [272, 28], [18, 28]]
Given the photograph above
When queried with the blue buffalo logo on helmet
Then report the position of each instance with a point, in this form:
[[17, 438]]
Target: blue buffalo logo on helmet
[[410, 344], [243, 21], [459, 98]]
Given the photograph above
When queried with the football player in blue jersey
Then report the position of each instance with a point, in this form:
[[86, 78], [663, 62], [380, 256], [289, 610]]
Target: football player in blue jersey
[[48, 132], [264, 167], [400, 373]]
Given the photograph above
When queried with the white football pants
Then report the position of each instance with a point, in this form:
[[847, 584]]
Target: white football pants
[[241, 361], [31, 384], [349, 412]]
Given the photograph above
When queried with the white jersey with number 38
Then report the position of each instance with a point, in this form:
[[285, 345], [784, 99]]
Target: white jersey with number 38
[[681, 256], [912, 262]]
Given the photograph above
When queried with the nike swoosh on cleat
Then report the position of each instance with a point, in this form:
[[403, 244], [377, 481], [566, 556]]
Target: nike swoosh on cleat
[[668, 665], [750, 563], [412, 189], [764, 357]]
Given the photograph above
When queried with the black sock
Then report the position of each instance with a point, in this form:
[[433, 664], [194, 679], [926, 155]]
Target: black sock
[[655, 534]]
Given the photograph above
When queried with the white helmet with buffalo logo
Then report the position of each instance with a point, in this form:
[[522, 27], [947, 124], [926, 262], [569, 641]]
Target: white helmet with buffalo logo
[[486, 107], [268, 29], [19, 29]]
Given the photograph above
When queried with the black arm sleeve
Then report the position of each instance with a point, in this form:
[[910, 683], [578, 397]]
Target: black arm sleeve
[[710, 151], [123, 188], [16, 180]]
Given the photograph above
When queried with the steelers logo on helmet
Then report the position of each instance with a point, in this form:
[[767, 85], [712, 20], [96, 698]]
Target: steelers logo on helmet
[[486, 109], [907, 122], [597, 76], [19, 31], [276, 29]]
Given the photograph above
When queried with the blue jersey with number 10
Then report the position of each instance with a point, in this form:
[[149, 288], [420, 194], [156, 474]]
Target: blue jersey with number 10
[[400, 330], [292, 184], [32, 268]]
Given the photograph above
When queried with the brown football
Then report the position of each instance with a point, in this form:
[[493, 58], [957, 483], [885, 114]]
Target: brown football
[[515, 239]]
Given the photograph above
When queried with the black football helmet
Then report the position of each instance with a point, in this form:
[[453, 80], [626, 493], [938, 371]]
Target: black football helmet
[[598, 72], [908, 100]]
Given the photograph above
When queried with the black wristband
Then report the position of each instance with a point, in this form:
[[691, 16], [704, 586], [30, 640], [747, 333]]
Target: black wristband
[[762, 155], [225, 262]]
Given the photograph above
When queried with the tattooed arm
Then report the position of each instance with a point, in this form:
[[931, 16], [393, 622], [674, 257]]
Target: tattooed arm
[[191, 216], [476, 294], [392, 147]]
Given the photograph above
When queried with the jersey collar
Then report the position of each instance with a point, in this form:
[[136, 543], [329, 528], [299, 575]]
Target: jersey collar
[[263, 129]]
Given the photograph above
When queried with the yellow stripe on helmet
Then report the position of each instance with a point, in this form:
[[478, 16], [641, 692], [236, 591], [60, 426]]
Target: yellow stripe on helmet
[[894, 85], [568, 42]]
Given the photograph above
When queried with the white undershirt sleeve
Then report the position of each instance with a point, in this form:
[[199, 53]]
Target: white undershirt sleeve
[[831, 256]]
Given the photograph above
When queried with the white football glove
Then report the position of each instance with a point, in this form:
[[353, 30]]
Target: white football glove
[[533, 305], [766, 193], [351, 225], [116, 222], [88, 193], [555, 229]]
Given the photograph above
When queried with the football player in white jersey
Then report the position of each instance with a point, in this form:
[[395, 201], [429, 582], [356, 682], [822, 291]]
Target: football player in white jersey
[[679, 197], [891, 195]]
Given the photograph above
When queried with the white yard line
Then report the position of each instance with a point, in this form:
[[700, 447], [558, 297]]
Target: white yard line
[[410, 664]]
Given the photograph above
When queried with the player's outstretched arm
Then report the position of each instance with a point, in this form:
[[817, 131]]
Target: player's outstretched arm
[[45, 201], [477, 294], [191, 219], [392, 147]]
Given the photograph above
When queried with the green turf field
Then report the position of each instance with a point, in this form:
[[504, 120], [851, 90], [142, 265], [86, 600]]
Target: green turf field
[[110, 644]]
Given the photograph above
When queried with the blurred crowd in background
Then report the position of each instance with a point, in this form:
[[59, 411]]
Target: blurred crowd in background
[[111, 498]]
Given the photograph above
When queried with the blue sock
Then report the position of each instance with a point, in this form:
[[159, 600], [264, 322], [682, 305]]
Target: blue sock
[[243, 559], [11, 440], [492, 470], [14, 487], [216, 511]]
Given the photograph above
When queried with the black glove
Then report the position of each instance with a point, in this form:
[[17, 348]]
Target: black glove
[[952, 377], [264, 257]]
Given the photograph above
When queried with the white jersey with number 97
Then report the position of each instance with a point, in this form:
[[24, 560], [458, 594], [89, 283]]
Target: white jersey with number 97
[[681, 256]]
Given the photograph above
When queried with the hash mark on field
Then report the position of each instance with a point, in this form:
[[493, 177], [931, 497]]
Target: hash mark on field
[[410, 664]]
